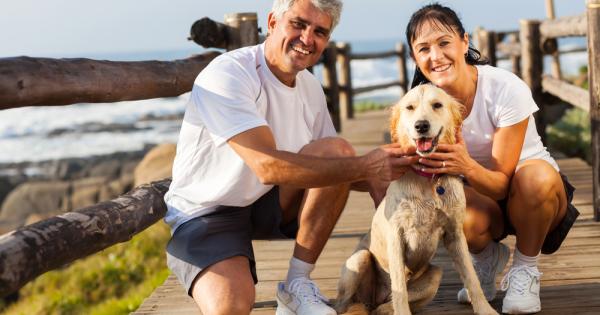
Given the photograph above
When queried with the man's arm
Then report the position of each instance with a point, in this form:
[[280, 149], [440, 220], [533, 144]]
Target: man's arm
[[274, 167]]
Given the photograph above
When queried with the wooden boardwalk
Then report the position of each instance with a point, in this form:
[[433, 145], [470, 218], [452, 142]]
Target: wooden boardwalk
[[570, 281]]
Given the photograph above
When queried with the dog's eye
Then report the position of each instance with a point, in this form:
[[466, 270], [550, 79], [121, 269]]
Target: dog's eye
[[437, 105], [410, 107]]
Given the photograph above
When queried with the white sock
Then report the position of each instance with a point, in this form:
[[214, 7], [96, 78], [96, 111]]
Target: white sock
[[486, 253], [520, 259], [298, 269]]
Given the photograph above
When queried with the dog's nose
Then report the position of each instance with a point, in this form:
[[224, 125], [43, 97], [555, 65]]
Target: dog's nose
[[422, 126]]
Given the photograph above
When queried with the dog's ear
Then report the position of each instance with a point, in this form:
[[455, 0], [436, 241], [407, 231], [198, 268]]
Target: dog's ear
[[457, 111], [394, 121]]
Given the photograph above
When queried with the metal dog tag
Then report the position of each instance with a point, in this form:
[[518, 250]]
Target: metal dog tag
[[440, 190]]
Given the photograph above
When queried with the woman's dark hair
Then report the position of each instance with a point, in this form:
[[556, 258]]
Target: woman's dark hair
[[446, 19]]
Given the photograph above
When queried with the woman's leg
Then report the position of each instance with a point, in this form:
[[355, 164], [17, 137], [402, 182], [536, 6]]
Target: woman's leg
[[537, 202]]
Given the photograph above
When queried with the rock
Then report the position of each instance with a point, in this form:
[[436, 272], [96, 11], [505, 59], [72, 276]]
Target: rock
[[156, 165], [85, 192], [43, 198], [116, 187]]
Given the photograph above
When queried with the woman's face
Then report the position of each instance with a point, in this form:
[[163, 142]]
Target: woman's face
[[440, 55]]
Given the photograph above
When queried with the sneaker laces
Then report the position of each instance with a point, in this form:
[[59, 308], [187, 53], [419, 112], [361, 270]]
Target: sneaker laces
[[307, 291], [519, 279]]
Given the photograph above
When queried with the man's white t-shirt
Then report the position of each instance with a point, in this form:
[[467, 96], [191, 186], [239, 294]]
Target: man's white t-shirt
[[502, 99], [234, 93]]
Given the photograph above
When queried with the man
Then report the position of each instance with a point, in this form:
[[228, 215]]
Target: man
[[257, 157]]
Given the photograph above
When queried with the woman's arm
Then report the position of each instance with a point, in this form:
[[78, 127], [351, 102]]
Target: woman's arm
[[492, 182]]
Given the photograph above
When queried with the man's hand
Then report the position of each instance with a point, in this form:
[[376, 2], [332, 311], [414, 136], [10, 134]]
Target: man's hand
[[385, 164], [389, 162]]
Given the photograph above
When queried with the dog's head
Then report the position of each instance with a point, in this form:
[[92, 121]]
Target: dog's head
[[425, 117]]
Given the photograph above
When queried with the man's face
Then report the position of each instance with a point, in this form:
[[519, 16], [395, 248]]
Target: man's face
[[297, 39]]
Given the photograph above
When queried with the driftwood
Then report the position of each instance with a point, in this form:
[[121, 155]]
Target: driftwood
[[569, 93], [26, 81], [49, 244]]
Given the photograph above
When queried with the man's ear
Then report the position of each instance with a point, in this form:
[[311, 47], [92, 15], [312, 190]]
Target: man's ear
[[271, 22]]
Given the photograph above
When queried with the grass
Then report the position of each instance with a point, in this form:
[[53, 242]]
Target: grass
[[114, 281]]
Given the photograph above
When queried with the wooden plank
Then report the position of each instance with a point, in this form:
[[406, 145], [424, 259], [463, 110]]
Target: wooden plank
[[593, 17], [564, 26], [567, 92]]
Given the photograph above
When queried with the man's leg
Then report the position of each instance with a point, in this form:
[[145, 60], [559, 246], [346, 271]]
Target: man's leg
[[317, 211], [226, 287]]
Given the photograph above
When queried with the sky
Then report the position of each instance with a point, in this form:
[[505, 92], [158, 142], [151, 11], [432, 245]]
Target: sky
[[81, 28]]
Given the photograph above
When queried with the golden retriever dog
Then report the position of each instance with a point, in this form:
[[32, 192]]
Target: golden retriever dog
[[390, 271]]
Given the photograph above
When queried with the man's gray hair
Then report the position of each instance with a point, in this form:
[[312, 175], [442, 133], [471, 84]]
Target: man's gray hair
[[332, 7]]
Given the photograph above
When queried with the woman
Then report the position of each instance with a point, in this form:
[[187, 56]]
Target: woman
[[513, 185]]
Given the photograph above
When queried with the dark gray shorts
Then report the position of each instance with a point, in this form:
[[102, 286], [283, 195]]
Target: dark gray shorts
[[555, 237], [225, 233]]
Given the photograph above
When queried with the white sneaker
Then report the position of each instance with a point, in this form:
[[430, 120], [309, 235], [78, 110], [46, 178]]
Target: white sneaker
[[486, 272], [522, 286], [302, 297]]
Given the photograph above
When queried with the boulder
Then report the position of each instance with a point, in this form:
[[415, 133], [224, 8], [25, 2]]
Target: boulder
[[43, 198], [156, 165]]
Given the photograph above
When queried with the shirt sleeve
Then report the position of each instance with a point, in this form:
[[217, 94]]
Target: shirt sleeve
[[224, 98], [514, 104]]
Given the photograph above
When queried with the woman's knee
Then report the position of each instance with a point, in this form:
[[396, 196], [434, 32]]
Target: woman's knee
[[535, 184], [329, 147]]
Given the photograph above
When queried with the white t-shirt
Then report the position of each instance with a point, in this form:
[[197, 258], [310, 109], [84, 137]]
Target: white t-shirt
[[234, 93], [502, 99]]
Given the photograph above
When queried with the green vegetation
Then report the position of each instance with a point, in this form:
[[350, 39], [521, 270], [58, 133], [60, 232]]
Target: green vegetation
[[114, 281], [363, 106]]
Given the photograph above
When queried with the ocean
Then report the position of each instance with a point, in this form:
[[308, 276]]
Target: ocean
[[80, 130]]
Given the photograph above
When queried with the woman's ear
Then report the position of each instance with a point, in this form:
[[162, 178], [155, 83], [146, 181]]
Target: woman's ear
[[466, 42]]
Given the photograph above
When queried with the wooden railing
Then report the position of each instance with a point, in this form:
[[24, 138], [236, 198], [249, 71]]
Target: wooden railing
[[526, 49], [337, 78]]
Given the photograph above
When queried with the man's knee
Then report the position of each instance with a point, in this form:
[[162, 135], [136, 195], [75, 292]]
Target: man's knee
[[226, 287], [329, 147]]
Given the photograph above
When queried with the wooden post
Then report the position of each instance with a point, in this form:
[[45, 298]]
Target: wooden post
[[402, 67], [242, 30], [330, 84], [487, 44], [555, 56], [593, 20], [345, 81], [515, 60], [532, 67]]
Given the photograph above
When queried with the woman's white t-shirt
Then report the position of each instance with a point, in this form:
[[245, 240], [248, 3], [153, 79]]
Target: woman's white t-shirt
[[502, 99]]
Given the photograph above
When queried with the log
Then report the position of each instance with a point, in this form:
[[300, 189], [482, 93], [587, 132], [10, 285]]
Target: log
[[556, 73], [563, 27], [593, 27], [402, 74], [370, 88], [330, 84], [487, 45], [242, 30], [532, 66], [345, 81], [209, 34], [569, 93], [375, 55], [26, 81], [49, 244]]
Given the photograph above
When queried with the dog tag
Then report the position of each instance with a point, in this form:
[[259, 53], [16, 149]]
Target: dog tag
[[440, 190]]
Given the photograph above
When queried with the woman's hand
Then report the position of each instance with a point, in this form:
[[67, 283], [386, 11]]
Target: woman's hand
[[451, 159]]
